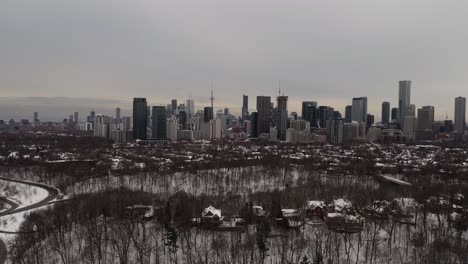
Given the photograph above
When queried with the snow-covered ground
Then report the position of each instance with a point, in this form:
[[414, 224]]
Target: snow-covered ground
[[22, 194]]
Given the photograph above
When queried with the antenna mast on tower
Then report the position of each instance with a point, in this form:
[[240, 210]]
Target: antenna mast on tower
[[212, 97]]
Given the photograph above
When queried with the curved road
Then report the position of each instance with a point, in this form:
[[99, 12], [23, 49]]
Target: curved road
[[52, 194], [13, 204]]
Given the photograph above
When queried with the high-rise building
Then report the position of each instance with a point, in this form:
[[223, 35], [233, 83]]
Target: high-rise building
[[174, 106], [426, 117], [159, 123], [140, 118], [245, 106], [306, 105], [207, 114], [117, 116], [254, 125], [335, 131], [404, 100], [411, 110], [76, 118], [385, 113], [325, 113], [394, 114], [348, 113], [226, 111], [127, 123], [359, 109], [171, 128], [183, 118], [36, 117], [409, 127], [102, 126], [282, 116], [460, 111], [190, 108], [264, 114], [92, 116], [309, 112], [370, 120]]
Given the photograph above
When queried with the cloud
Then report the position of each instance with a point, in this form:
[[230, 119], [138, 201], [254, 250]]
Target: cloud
[[328, 51]]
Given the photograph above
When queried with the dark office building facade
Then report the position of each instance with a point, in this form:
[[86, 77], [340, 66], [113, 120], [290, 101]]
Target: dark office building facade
[[348, 112], [245, 107], [183, 117], [309, 113], [254, 125], [325, 113], [207, 114], [159, 122], [264, 114], [140, 120], [394, 113], [385, 112]]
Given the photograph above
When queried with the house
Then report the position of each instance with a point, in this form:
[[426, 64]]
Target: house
[[341, 206], [341, 217], [378, 210], [404, 210], [291, 218], [315, 209], [258, 211], [211, 215]]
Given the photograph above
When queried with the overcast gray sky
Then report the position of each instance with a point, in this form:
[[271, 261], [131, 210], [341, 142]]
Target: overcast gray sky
[[328, 51]]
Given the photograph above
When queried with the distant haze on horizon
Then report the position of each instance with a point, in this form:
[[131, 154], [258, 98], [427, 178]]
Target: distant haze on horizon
[[324, 51]]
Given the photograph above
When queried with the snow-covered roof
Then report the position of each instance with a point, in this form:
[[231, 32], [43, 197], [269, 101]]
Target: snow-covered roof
[[341, 204], [314, 204], [406, 203], [211, 211], [288, 212]]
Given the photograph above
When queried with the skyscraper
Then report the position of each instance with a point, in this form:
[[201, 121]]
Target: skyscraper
[[207, 114], [385, 112], [254, 125], [460, 110], [425, 117], [409, 128], [117, 116], [394, 114], [76, 118], [174, 106], [159, 123], [190, 108], [102, 126], [348, 113], [183, 118], [335, 131], [36, 117], [359, 109], [264, 113], [325, 113], [309, 112], [92, 115], [370, 120], [140, 118], [282, 116], [404, 100], [245, 106], [305, 106]]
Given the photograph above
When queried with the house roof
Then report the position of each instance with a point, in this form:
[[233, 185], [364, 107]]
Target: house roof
[[210, 211], [341, 204], [314, 204]]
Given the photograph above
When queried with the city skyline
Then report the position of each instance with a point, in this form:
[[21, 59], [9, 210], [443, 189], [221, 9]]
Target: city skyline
[[8, 105]]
